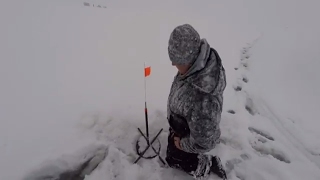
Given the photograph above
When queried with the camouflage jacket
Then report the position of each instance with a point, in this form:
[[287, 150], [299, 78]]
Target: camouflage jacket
[[195, 102]]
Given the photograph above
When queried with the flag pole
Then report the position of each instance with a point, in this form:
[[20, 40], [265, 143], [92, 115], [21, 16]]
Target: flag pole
[[147, 71], [145, 103]]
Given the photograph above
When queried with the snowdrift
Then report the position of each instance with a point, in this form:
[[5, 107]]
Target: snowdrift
[[72, 86]]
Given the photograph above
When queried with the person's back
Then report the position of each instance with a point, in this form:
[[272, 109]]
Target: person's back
[[195, 103]]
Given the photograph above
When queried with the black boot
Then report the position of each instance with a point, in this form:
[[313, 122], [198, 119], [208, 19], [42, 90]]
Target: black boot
[[217, 168]]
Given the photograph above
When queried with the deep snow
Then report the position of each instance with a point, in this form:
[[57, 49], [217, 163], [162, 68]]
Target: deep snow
[[72, 76]]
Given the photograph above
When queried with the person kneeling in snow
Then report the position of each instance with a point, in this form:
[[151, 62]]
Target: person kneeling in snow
[[194, 104]]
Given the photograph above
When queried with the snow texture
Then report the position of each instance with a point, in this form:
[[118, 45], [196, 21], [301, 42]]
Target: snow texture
[[72, 76], [75, 166]]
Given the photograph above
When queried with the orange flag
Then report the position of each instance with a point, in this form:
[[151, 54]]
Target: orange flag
[[147, 71]]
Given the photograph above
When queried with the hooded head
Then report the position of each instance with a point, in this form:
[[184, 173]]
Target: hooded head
[[184, 45]]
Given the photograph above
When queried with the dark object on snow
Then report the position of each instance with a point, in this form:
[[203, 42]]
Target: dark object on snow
[[249, 109], [71, 167], [245, 80], [238, 88], [231, 111], [196, 165], [86, 4]]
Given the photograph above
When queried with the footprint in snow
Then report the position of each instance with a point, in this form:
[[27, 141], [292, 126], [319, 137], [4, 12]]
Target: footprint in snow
[[231, 142], [231, 111], [245, 57], [245, 64], [261, 133], [262, 140], [245, 156], [230, 164], [250, 107], [313, 152], [259, 145], [237, 88], [244, 79], [276, 153]]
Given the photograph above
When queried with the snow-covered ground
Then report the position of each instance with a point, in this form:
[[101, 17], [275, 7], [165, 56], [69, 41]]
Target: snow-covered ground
[[72, 76]]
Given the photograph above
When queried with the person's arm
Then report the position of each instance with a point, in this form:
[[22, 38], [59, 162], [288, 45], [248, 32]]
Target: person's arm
[[204, 127]]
